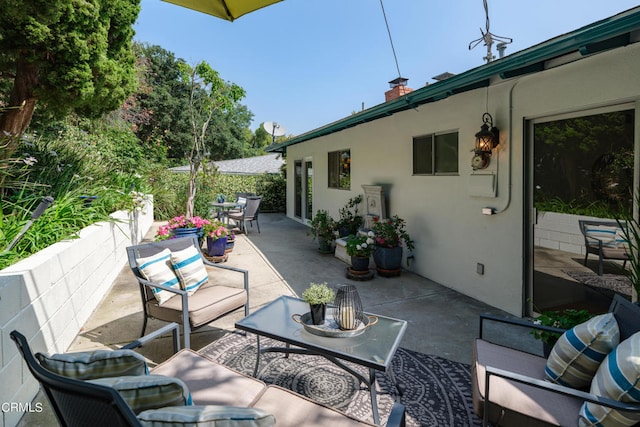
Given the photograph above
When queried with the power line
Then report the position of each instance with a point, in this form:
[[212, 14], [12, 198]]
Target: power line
[[390, 39]]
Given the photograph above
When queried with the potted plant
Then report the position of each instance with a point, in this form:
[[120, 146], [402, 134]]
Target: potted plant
[[181, 226], [350, 221], [231, 240], [390, 234], [359, 248], [565, 319], [216, 234], [323, 228], [318, 295]]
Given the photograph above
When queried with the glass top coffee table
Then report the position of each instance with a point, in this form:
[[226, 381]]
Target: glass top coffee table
[[373, 349]]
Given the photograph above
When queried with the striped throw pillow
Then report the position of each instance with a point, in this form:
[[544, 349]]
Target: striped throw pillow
[[604, 233], [95, 364], [578, 353], [207, 416], [190, 269], [149, 391], [157, 269], [618, 378]]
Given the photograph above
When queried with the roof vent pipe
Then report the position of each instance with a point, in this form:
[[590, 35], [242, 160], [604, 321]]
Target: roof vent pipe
[[502, 46]]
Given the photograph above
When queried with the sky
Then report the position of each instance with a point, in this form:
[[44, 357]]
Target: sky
[[308, 63]]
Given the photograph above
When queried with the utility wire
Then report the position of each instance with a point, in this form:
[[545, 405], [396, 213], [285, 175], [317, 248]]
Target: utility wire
[[390, 39]]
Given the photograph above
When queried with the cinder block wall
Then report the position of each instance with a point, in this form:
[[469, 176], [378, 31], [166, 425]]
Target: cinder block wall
[[49, 296]]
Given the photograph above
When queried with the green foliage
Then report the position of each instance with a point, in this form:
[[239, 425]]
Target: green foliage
[[359, 245], [273, 189], [565, 319], [391, 232], [350, 220], [318, 293], [598, 208], [323, 226]]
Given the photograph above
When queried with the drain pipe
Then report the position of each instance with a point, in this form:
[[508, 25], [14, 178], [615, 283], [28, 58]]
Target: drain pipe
[[44, 204]]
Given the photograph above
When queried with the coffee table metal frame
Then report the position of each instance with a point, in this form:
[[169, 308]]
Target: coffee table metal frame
[[373, 349]]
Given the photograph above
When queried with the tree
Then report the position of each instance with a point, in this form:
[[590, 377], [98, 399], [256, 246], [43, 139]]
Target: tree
[[208, 94], [67, 56]]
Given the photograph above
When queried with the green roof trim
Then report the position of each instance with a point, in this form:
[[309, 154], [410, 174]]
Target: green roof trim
[[606, 34]]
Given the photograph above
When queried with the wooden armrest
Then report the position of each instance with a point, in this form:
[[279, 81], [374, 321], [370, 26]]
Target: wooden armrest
[[174, 328]]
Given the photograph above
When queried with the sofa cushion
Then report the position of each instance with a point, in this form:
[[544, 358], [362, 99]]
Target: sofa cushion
[[617, 378], [578, 353], [148, 391], [209, 382], [207, 416], [514, 403], [157, 269], [88, 365], [210, 302], [189, 268], [292, 409]]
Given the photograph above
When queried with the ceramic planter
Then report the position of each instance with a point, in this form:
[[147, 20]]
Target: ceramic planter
[[216, 247]]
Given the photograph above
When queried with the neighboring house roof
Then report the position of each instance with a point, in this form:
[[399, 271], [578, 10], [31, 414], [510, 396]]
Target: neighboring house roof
[[269, 163], [608, 33]]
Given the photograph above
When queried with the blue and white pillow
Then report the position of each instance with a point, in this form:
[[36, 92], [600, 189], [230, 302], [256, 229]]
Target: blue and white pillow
[[604, 233], [157, 269], [578, 353], [189, 268], [618, 378]]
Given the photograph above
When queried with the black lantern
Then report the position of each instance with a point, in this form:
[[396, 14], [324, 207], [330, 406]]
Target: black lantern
[[348, 310], [486, 140]]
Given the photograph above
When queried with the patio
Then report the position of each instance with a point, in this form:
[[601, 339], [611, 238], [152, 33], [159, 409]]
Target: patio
[[282, 260]]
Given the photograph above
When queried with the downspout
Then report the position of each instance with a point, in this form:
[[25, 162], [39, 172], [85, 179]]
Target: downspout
[[510, 160]]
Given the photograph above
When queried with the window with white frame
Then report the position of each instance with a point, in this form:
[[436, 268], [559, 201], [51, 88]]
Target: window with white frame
[[340, 169], [435, 154]]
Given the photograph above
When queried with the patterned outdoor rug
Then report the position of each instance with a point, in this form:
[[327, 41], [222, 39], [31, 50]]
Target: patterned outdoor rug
[[612, 282], [436, 391]]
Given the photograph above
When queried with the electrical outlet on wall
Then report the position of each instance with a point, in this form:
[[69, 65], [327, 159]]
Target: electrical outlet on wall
[[480, 268]]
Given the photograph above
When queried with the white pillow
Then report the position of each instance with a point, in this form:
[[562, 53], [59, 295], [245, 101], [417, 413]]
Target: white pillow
[[207, 416], [190, 269], [157, 269]]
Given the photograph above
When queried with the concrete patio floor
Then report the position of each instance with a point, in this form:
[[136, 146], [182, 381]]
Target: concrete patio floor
[[283, 260]]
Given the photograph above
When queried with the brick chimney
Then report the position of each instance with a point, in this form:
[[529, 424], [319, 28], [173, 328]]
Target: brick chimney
[[398, 88]]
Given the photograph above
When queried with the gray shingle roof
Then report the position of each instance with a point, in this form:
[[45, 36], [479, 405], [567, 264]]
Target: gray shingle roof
[[269, 163]]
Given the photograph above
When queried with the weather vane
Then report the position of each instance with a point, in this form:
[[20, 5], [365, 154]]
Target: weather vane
[[488, 38]]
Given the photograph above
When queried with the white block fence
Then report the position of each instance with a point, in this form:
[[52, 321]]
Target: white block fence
[[49, 296]]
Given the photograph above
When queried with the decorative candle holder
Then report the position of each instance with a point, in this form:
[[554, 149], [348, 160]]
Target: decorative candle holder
[[348, 311]]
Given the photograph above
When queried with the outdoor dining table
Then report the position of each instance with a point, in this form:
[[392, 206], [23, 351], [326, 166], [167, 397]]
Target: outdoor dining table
[[224, 208]]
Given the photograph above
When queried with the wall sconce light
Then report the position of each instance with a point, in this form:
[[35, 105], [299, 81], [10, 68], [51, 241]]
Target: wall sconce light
[[486, 140]]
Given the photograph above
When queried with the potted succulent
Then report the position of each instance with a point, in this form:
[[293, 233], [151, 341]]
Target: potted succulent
[[323, 228], [216, 234], [565, 319], [390, 234], [350, 221], [318, 295], [359, 248]]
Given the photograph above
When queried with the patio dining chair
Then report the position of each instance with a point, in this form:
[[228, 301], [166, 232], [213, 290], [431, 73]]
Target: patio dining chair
[[212, 300], [248, 214]]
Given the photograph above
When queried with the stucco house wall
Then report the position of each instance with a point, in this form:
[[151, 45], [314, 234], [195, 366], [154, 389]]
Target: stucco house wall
[[451, 234]]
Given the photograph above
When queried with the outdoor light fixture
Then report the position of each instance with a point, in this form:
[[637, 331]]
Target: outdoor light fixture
[[486, 140]]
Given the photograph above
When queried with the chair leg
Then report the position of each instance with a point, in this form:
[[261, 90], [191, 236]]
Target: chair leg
[[144, 325], [586, 255], [600, 265], [258, 225]]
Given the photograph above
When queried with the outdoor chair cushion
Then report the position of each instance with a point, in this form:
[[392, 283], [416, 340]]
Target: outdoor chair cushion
[[157, 269], [516, 404], [578, 353], [617, 378], [188, 266], [88, 365], [145, 392], [602, 233], [210, 383], [210, 302], [207, 416]]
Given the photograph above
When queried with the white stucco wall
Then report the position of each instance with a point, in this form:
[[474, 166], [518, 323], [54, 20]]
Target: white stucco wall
[[451, 234], [49, 296]]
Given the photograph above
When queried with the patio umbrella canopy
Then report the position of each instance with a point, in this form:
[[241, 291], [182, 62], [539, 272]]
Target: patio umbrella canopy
[[224, 9]]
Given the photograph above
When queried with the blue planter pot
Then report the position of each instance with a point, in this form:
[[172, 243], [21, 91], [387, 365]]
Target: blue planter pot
[[388, 258], [359, 263], [184, 232], [216, 247]]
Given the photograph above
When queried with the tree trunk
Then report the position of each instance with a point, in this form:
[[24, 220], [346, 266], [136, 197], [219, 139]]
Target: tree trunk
[[17, 115], [191, 194]]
